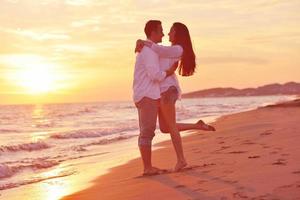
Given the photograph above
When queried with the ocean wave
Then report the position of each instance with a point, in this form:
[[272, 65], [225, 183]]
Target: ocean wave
[[107, 141], [8, 170], [184, 113], [81, 156], [32, 146], [43, 163], [34, 180], [92, 133], [104, 141], [44, 125], [5, 118], [5, 171], [9, 131], [75, 113], [79, 134]]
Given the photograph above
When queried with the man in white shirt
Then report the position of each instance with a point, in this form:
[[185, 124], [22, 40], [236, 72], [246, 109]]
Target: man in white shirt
[[146, 93]]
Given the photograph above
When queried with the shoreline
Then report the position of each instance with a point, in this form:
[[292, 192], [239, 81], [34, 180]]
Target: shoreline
[[212, 182]]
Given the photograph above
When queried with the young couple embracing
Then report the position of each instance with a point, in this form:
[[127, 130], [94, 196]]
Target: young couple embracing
[[156, 89]]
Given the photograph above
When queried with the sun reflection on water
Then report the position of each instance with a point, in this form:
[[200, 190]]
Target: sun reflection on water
[[57, 186], [39, 121], [54, 189]]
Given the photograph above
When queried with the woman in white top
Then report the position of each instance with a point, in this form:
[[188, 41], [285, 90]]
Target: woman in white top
[[182, 55]]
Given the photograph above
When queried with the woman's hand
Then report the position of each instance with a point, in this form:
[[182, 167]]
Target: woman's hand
[[139, 45]]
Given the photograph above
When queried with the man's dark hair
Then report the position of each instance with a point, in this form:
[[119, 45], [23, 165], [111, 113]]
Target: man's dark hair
[[150, 26]]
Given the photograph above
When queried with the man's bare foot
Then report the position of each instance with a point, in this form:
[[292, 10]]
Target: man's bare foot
[[202, 126], [154, 171], [180, 165]]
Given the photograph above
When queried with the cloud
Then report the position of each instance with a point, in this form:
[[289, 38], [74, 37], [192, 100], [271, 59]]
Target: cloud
[[84, 2], [86, 22], [77, 2], [75, 48], [39, 35], [272, 37]]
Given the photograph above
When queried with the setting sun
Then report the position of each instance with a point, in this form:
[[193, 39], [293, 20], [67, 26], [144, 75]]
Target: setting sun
[[35, 74]]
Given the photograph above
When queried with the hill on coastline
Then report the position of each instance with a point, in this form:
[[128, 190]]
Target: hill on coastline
[[290, 88]]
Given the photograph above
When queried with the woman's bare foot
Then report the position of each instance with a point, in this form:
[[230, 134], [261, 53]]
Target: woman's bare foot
[[202, 126], [180, 165]]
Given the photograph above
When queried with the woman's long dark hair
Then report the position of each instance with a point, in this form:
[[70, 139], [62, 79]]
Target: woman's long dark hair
[[187, 64]]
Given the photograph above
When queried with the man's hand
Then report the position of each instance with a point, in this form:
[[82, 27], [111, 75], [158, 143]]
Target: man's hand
[[139, 46]]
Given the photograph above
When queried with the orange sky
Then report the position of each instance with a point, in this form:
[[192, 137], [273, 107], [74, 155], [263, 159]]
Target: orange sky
[[82, 50]]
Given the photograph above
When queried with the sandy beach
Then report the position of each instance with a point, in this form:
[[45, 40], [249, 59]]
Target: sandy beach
[[252, 155]]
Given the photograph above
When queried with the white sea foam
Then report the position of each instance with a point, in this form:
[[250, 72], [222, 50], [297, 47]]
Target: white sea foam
[[3, 130], [105, 141], [9, 169], [32, 146], [34, 180], [5, 171], [92, 133]]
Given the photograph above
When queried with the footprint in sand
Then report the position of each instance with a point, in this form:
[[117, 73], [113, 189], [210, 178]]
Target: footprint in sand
[[231, 182], [223, 147], [276, 151], [296, 172], [248, 142], [267, 132], [265, 146], [250, 157], [241, 188], [179, 186], [200, 189], [280, 161], [197, 166], [240, 195], [237, 152], [209, 164], [285, 154]]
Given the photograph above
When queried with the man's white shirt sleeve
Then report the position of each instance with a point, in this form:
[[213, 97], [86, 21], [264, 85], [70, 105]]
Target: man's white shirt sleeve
[[174, 51], [151, 62]]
